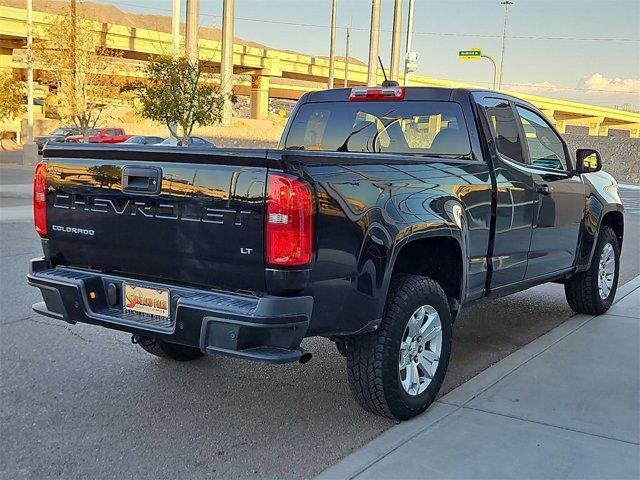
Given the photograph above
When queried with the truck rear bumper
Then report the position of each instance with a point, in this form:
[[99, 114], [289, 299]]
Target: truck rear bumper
[[265, 328]]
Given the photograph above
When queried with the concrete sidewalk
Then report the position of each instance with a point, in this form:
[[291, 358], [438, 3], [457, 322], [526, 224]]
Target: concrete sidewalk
[[565, 406]]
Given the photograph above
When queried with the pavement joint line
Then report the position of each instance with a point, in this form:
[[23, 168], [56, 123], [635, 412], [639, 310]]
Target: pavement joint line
[[401, 443], [622, 316], [538, 422], [627, 288], [18, 320]]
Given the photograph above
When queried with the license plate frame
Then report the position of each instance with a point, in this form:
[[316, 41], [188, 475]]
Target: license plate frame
[[145, 301]]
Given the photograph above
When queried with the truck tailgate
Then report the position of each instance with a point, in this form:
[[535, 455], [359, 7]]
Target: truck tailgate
[[194, 217]]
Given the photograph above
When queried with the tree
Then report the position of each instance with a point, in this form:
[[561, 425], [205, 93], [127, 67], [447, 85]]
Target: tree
[[180, 95], [11, 97], [67, 50]]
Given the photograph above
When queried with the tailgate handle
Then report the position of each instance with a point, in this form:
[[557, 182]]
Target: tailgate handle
[[146, 180]]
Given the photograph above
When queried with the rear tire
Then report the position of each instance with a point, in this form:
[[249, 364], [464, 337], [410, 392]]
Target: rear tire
[[387, 369], [592, 291], [172, 351]]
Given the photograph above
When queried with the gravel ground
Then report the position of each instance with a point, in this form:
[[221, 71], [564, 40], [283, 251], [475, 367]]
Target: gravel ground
[[620, 154]]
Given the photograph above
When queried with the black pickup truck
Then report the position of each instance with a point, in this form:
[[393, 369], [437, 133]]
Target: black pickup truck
[[383, 212]]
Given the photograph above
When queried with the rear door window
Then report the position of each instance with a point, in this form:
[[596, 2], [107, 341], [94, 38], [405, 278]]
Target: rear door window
[[420, 128], [504, 128]]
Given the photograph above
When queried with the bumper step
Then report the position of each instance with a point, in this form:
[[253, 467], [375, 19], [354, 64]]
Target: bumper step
[[264, 328]]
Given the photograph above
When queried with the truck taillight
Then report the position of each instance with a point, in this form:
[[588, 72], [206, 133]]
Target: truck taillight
[[289, 221], [363, 94], [40, 199]]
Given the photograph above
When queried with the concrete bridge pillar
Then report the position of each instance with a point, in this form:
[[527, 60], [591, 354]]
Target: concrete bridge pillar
[[259, 99], [594, 128], [561, 126]]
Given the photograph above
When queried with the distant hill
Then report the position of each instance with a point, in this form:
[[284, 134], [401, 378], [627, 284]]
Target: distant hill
[[114, 15]]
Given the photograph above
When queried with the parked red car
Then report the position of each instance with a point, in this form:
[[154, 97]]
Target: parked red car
[[102, 135]]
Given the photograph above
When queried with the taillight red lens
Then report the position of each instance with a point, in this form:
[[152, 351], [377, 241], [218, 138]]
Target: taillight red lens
[[40, 199], [289, 224]]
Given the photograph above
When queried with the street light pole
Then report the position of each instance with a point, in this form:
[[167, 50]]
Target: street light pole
[[29, 71], [395, 41], [506, 4], [226, 63], [409, 40], [175, 27], [495, 70], [332, 48], [346, 60], [374, 44], [191, 40]]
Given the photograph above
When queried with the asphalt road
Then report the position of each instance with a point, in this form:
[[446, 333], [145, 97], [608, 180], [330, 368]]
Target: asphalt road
[[83, 402]]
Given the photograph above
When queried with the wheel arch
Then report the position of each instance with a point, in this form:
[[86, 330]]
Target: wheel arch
[[615, 220], [437, 255]]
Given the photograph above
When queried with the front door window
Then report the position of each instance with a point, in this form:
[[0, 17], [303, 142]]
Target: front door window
[[546, 149]]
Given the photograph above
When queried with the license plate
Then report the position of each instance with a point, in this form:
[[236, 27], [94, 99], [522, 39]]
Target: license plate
[[146, 301]]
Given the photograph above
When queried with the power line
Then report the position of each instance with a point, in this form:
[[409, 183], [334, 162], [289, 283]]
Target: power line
[[438, 34]]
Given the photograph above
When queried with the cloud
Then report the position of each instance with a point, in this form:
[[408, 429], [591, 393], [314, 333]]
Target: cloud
[[598, 83], [535, 88]]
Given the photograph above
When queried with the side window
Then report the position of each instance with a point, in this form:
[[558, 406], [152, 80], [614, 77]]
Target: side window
[[109, 133], [504, 128], [546, 149]]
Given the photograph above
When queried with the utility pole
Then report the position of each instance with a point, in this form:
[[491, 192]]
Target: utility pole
[[409, 40], [506, 4], [346, 60], [395, 41], [74, 50], [193, 10], [29, 71], [332, 48], [175, 28], [374, 44], [226, 63]]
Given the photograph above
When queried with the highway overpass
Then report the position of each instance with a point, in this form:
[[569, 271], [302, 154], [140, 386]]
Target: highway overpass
[[277, 74]]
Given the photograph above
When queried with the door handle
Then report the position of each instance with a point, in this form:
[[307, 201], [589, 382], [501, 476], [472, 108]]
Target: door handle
[[145, 180], [543, 189]]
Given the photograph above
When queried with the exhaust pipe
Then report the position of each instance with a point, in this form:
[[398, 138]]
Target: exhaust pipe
[[304, 356]]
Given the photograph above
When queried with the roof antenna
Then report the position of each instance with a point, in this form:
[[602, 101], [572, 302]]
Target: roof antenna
[[387, 82]]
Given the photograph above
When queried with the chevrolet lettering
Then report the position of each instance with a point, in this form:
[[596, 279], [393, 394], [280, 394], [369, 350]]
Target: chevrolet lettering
[[151, 208]]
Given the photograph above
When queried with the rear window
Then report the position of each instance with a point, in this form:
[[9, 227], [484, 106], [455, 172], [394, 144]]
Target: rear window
[[419, 128]]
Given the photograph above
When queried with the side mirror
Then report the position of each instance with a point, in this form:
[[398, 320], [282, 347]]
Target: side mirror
[[588, 160]]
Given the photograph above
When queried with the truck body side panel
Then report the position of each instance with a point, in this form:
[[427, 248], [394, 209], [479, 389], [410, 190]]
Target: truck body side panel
[[369, 207]]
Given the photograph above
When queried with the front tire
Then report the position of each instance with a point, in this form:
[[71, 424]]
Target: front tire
[[398, 370], [172, 351], [592, 291]]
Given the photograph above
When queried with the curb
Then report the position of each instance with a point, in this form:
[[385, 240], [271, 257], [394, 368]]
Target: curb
[[392, 439]]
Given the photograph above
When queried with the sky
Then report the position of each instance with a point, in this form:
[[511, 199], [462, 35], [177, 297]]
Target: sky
[[583, 50]]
